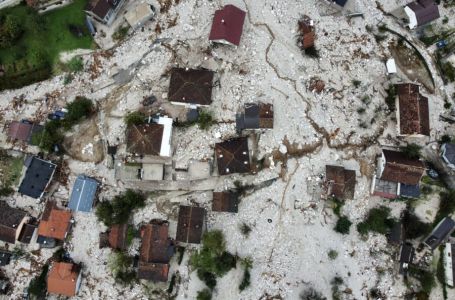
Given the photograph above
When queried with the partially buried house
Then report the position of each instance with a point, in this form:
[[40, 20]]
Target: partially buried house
[[440, 233], [156, 251], [55, 225], [255, 116], [64, 279], [421, 12], [191, 87], [37, 177], [12, 221], [307, 34], [412, 111], [104, 11], [190, 225], [227, 25], [23, 131], [83, 194], [397, 175], [232, 156], [115, 237], [340, 182], [226, 201]]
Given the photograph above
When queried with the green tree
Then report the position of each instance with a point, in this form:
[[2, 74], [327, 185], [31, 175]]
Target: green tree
[[135, 118], [378, 220], [37, 285], [10, 30], [119, 210], [411, 151], [343, 225], [205, 119], [80, 108], [205, 294]]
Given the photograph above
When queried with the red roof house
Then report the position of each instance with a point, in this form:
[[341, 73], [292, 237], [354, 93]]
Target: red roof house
[[227, 25]]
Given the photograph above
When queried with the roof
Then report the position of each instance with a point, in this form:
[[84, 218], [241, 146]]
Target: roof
[[117, 236], [256, 115], [101, 7], [144, 139], [37, 176], [227, 25], [449, 152], [191, 86], [307, 34], [396, 234], [155, 272], [406, 257], [83, 194], [190, 224], [440, 233], [23, 130], [341, 3], [410, 191], [414, 117], [62, 279], [56, 224], [391, 66], [226, 201], [341, 182], [425, 11], [232, 156], [399, 168], [156, 246], [5, 257], [28, 230], [10, 219]]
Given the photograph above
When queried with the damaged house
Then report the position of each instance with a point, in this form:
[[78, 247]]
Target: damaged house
[[397, 175], [232, 156], [37, 177], [421, 12], [412, 111], [23, 131], [190, 224], [307, 34], [449, 263], [440, 233], [227, 25], [255, 116], [12, 222], [64, 279], [104, 11], [448, 154], [115, 237], [55, 225], [191, 87], [340, 183]]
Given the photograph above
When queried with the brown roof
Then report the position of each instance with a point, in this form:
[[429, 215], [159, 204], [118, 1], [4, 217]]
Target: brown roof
[[144, 139], [399, 168], [191, 86], [228, 24], [307, 34], [156, 244], [10, 219], [190, 224], [226, 201], [62, 279], [425, 11], [20, 130], [117, 236], [27, 233], [55, 223], [232, 156], [155, 272], [265, 115], [341, 182], [413, 110]]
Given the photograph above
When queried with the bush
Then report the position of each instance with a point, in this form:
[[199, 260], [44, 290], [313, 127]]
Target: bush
[[414, 227], [332, 254], [135, 118], [75, 64], [446, 206], [208, 278], [121, 267], [38, 287], [312, 52], [205, 294], [80, 108], [391, 96], [245, 229], [311, 294], [343, 225], [377, 221], [246, 281], [120, 34], [205, 119], [356, 83], [119, 210], [411, 151], [426, 278], [337, 206]]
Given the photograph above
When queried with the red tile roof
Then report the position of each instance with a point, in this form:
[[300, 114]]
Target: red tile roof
[[413, 110], [62, 279], [228, 24], [20, 130], [55, 223], [117, 236], [399, 168]]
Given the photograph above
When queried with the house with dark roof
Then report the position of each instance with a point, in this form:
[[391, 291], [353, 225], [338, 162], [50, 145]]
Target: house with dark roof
[[28, 233], [340, 182], [307, 34], [341, 3], [64, 279], [397, 175], [37, 177], [23, 131], [156, 251], [115, 237], [227, 25], [5, 258], [396, 234], [226, 201], [83, 194], [440, 233], [421, 12], [449, 264], [12, 221], [413, 118], [104, 11], [255, 116], [55, 223], [191, 87], [448, 154], [153, 139], [190, 224], [406, 257], [232, 156]]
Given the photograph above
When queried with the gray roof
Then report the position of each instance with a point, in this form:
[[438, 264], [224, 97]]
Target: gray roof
[[83, 194], [440, 233], [38, 175], [406, 257], [449, 152]]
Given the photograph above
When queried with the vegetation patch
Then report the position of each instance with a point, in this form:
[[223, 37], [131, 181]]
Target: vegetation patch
[[332, 254], [11, 168], [119, 210], [378, 220], [247, 263], [426, 278], [414, 227], [121, 266], [446, 206], [411, 151], [135, 118], [38, 287]]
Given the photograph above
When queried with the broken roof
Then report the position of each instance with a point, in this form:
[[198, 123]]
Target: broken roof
[[232, 156], [63, 279], [412, 110], [117, 236], [341, 182], [227, 25], [156, 272], [23, 130], [191, 86], [226, 201], [440, 233], [37, 176], [144, 139], [399, 168], [10, 219], [55, 222], [256, 115], [306, 32], [83, 194], [425, 11], [190, 224]]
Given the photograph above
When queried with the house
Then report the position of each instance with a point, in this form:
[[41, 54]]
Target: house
[[406, 257], [413, 118], [23, 131], [396, 234], [83, 194], [104, 11], [448, 155], [150, 138], [233, 156], [5, 258], [341, 3], [449, 264], [156, 251], [64, 279], [397, 175], [55, 223], [227, 25], [139, 14], [226, 201], [340, 182], [12, 221], [28, 233], [255, 116], [190, 224], [115, 237], [307, 34], [37, 177], [440, 233], [191, 87], [421, 12]]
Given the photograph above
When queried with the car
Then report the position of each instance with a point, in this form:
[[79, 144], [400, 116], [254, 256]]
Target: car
[[441, 44]]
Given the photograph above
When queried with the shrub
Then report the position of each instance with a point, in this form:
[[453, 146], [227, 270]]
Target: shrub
[[246, 281], [446, 205], [181, 252], [411, 151], [343, 225], [390, 98], [245, 229], [445, 139], [6, 191], [332, 254], [377, 221], [121, 267], [131, 234], [120, 34], [75, 64], [312, 52], [135, 118], [426, 278], [337, 206], [205, 294], [38, 286], [119, 210], [208, 278], [413, 226], [361, 110], [356, 83], [311, 294], [80, 108], [205, 119]]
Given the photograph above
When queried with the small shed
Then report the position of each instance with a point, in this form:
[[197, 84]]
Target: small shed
[[83, 194], [391, 66]]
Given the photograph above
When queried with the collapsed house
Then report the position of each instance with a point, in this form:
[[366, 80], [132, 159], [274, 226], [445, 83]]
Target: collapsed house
[[440, 233], [421, 12], [340, 183], [64, 279], [191, 87], [255, 116], [406, 257], [307, 34], [37, 177], [115, 237], [190, 224], [448, 154], [412, 111], [232, 156], [227, 25]]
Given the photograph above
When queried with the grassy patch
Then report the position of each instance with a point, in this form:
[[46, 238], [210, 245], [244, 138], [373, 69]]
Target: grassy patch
[[426, 278], [378, 220], [11, 171]]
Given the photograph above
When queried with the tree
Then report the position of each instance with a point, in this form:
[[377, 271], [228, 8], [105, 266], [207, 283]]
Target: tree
[[205, 294], [413, 226], [135, 118], [119, 210], [343, 225], [80, 108], [412, 151], [377, 221]]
